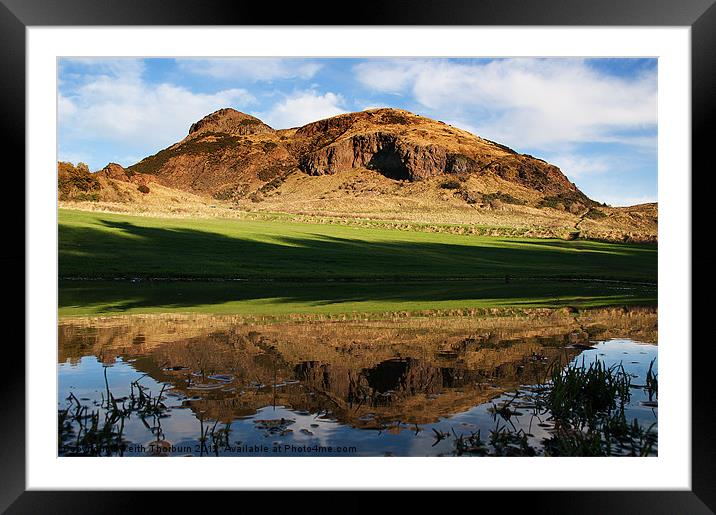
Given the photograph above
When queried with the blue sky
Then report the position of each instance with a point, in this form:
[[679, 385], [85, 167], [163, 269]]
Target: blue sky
[[594, 118]]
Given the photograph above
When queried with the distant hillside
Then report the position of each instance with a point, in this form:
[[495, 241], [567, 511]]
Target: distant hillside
[[380, 163]]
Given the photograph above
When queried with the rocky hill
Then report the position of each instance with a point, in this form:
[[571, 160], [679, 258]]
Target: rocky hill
[[229, 155], [379, 163]]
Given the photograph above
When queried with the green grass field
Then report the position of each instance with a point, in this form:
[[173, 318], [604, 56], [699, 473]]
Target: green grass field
[[98, 245], [288, 267], [79, 298]]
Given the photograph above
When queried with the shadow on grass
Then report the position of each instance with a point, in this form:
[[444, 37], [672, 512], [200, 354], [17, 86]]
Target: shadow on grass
[[325, 273], [92, 297], [117, 249]]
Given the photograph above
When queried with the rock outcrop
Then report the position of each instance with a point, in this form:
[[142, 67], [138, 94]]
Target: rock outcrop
[[116, 171], [388, 154]]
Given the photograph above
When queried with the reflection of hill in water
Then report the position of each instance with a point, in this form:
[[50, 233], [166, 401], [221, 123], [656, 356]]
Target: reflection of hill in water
[[364, 372]]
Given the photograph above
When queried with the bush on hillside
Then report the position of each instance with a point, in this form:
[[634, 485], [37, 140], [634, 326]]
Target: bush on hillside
[[450, 185], [505, 198], [595, 214], [565, 201], [76, 181]]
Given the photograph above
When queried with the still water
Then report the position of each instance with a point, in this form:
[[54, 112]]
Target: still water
[[204, 385]]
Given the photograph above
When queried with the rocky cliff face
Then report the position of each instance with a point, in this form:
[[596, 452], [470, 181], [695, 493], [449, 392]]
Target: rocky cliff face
[[387, 153], [229, 154]]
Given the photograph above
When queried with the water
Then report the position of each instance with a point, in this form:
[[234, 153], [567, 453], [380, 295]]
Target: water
[[230, 386]]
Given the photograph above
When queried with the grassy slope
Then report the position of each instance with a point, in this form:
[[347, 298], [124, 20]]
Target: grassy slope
[[110, 246], [386, 270]]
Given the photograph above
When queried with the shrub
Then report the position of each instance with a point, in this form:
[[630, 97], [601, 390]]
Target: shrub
[[89, 197], [274, 183], [269, 172], [74, 181], [503, 147], [394, 118], [564, 201], [225, 194], [232, 193], [450, 185], [595, 214], [576, 207], [467, 196], [502, 197]]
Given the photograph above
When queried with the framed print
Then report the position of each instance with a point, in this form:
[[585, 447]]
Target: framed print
[[435, 249]]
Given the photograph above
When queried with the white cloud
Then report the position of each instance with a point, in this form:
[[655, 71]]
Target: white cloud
[[122, 107], [302, 108], [251, 69], [525, 102], [577, 167], [66, 107]]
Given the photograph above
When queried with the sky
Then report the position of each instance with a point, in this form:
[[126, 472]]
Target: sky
[[594, 118]]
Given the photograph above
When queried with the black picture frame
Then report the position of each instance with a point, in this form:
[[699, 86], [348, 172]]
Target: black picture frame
[[700, 15]]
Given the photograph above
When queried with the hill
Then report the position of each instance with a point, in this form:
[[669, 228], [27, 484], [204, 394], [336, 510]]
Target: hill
[[228, 154], [385, 164]]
